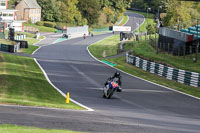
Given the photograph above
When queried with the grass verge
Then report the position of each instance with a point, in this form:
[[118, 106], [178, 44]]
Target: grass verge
[[22, 129], [106, 47], [23, 83]]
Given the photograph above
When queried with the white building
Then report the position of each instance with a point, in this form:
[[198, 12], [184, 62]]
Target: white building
[[9, 17]]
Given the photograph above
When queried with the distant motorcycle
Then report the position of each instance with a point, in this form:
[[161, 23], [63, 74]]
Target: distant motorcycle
[[84, 36], [110, 87]]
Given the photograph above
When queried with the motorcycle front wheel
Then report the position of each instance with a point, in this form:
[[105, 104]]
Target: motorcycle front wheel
[[109, 93]]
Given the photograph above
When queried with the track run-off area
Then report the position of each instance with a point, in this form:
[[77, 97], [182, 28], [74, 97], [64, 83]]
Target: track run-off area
[[142, 107]]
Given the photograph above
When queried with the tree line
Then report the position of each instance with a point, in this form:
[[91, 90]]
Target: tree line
[[173, 12], [81, 12]]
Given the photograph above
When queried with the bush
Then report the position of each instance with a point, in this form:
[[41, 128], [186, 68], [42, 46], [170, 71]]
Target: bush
[[50, 24], [40, 23]]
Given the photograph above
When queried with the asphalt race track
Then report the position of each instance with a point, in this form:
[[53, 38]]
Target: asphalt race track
[[142, 107]]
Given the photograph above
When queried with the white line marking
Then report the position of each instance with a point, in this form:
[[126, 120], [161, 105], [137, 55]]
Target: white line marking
[[63, 94], [36, 107], [36, 50], [148, 91], [40, 41], [38, 46]]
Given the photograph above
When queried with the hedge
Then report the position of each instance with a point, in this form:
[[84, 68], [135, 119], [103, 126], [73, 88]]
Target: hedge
[[50, 24]]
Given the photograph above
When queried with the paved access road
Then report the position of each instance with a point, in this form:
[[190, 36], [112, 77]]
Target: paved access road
[[142, 107]]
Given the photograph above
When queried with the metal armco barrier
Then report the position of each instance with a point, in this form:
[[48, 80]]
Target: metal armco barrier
[[181, 76]]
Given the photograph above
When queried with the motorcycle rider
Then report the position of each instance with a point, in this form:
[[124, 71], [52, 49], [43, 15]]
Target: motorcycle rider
[[116, 78]]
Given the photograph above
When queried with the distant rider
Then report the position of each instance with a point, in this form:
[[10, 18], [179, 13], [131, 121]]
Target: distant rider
[[84, 36]]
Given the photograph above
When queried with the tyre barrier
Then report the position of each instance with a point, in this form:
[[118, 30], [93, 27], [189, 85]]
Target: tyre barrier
[[178, 75], [10, 48], [20, 37]]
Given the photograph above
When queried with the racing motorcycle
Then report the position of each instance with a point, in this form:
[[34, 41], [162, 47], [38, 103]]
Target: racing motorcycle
[[110, 87]]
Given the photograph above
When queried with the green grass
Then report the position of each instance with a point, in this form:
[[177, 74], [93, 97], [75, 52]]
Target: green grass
[[22, 129], [108, 46], [42, 28], [23, 83]]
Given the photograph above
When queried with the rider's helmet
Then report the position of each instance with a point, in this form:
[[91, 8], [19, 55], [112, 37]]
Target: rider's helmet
[[117, 74]]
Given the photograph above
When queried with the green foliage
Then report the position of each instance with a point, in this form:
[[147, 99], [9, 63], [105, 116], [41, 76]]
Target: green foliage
[[70, 13], [90, 10], [82, 12], [151, 28], [50, 10], [49, 24], [12, 4], [114, 9], [179, 13], [144, 4]]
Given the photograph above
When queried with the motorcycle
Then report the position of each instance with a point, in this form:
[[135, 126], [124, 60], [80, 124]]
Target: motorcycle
[[84, 36], [109, 89]]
